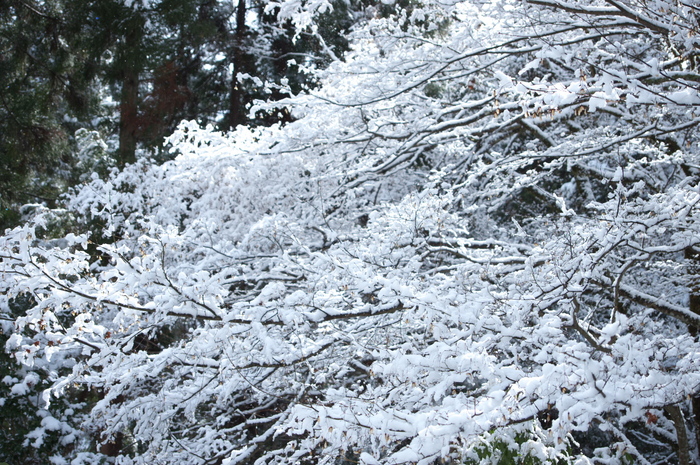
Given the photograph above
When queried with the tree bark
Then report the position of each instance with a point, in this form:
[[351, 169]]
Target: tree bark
[[693, 256], [236, 115], [676, 415], [128, 105], [128, 126]]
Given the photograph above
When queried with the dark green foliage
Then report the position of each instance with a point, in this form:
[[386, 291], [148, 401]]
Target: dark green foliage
[[48, 91], [35, 89], [160, 65], [499, 451]]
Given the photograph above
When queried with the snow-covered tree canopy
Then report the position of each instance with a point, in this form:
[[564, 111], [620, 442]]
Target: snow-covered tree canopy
[[478, 242]]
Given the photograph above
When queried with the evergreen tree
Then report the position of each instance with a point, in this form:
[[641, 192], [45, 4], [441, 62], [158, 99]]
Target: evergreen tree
[[38, 96]]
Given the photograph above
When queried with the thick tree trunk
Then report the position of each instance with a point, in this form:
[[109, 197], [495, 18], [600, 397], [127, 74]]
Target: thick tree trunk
[[128, 106], [236, 113]]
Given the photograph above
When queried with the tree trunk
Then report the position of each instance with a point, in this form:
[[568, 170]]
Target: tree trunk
[[676, 415], [127, 118], [128, 106], [693, 256], [236, 115]]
